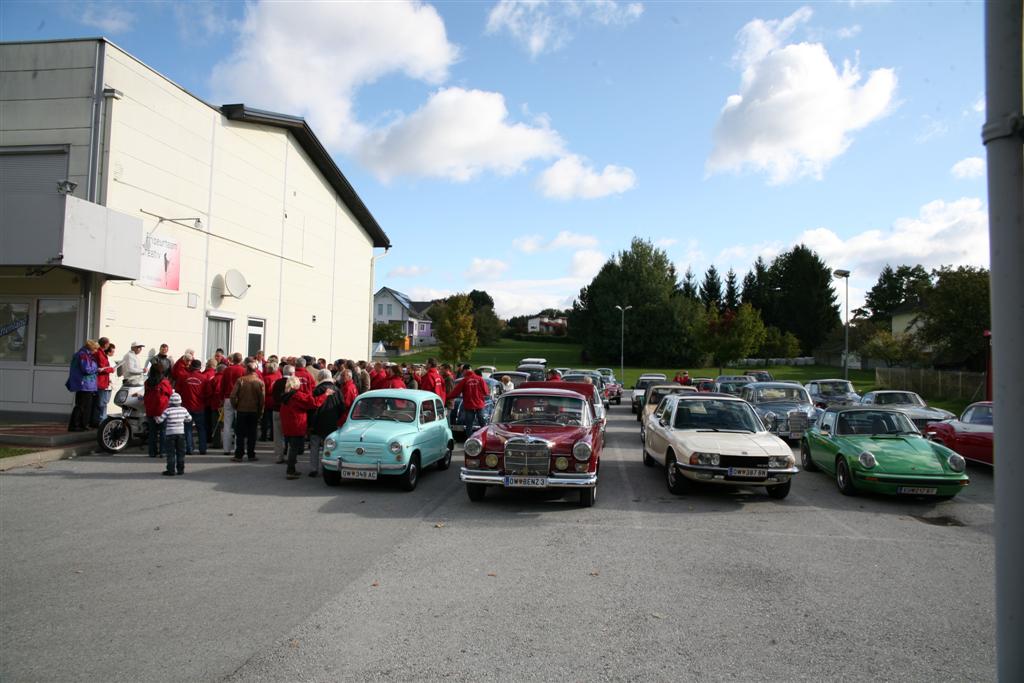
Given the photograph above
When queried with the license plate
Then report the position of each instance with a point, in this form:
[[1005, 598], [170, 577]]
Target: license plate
[[359, 474], [796, 435], [526, 481], [917, 490], [747, 472]]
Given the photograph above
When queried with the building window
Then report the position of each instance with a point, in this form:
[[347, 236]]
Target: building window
[[56, 320], [14, 330], [218, 336], [380, 309], [389, 310], [255, 339]]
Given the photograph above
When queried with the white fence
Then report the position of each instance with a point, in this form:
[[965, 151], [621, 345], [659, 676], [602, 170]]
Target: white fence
[[765, 362], [934, 383]]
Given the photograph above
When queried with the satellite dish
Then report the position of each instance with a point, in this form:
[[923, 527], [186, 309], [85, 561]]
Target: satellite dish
[[235, 284]]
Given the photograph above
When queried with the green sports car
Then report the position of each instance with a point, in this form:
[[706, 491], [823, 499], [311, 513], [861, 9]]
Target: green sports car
[[880, 450]]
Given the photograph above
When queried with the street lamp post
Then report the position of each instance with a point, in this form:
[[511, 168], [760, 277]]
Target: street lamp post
[[845, 275], [622, 344]]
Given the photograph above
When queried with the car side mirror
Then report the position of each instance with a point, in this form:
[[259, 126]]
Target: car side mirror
[[825, 429]]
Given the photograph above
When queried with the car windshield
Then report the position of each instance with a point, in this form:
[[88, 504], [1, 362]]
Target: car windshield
[[889, 398], [516, 378], [716, 415], [539, 409], [835, 388], [644, 384], [731, 387], [981, 415], [874, 422], [580, 379], [791, 394], [535, 374], [384, 408], [661, 392]]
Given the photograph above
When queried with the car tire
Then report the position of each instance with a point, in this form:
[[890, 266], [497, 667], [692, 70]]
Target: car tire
[[476, 492], [805, 457], [446, 462], [332, 477], [779, 491], [638, 416], [844, 479], [648, 460], [677, 483], [588, 497], [411, 477]]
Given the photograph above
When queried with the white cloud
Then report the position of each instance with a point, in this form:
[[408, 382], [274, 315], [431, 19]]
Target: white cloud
[[457, 135], [971, 167], [794, 111], [428, 293], [571, 177], [542, 26], [930, 128], [665, 242], [200, 20], [408, 271], [586, 264], [107, 17], [979, 105], [485, 269], [311, 58], [849, 31], [565, 239]]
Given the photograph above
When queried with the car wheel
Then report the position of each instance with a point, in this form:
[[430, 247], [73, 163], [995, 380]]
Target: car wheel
[[332, 477], [844, 480], [805, 457], [638, 417], [588, 497], [476, 492], [779, 491], [445, 462], [677, 483], [648, 460], [114, 434], [412, 473]]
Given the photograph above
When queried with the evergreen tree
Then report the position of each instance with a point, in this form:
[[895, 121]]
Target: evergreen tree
[[732, 294], [803, 299], [711, 289], [893, 289], [956, 314], [689, 284]]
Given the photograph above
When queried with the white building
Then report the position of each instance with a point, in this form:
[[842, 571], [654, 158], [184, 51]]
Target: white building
[[542, 324], [392, 306], [179, 222]]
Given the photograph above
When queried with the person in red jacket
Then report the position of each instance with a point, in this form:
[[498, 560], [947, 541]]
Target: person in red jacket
[[432, 380], [395, 380], [99, 406], [349, 392], [295, 405], [156, 399], [227, 384], [182, 367], [473, 390], [304, 375], [270, 375], [379, 377], [212, 400], [190, 387]]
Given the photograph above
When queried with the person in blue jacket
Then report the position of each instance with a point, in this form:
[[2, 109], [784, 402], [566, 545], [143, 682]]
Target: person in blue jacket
[[82, 381]]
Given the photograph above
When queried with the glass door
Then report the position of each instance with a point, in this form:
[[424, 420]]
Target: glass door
[[255, 336]]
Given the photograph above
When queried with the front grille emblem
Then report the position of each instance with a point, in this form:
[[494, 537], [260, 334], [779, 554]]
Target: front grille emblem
[[359, 450]]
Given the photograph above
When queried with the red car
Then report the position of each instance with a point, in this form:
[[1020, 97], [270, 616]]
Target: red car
[[704, 383], [970, 436], [542, 435]]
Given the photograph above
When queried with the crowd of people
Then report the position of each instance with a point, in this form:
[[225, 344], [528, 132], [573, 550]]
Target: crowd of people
[[288, 400]]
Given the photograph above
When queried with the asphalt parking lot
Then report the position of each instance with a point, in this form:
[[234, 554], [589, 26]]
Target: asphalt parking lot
[[110, 572]]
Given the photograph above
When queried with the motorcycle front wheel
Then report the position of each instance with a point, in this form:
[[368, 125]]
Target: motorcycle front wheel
[[114, 434]]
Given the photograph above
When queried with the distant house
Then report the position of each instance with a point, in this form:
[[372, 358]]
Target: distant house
[[392, 306], [905, 318], [541, 324]]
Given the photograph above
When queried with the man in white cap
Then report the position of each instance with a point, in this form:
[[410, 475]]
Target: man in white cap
[[133, 365]]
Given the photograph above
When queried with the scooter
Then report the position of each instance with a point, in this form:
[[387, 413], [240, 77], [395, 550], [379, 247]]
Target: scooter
[[117, 431]]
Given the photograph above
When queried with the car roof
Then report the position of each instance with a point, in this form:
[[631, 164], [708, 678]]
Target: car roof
[[774, 384], [698, 395], [733, 378], [410, 394], [673, 385], [894, 391], [653, 374], [535, 389], [863, 409], [827, 380]]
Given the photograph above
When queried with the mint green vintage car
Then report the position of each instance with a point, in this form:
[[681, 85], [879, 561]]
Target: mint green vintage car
[[389, 433], [880, 450]]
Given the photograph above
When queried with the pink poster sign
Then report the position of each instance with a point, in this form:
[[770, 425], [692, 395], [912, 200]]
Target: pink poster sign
[[161, 263]]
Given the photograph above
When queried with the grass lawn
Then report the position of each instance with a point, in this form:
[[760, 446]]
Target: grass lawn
[[507, 353], [11, 451]]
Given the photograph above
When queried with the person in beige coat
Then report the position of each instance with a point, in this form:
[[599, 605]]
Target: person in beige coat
[[247, 398]]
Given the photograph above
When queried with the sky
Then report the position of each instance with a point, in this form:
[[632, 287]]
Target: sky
[[516, 146]]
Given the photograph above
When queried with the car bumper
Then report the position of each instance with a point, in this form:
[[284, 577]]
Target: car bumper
[[896, 485], [720, 475], [555, 481], [335, 465]]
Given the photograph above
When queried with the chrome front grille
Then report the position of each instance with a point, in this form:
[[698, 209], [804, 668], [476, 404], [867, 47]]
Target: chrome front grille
[[527, 457], [351, 450], [797, 422]]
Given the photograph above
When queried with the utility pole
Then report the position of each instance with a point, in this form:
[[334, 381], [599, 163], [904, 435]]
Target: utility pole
[[622, 344], [845, 274]]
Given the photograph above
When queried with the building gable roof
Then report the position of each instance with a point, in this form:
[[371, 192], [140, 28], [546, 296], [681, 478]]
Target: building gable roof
[[418, 309]]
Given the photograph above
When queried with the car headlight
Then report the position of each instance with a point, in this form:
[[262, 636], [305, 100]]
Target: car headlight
[[712, 459], [472, 447], [491, 460], [330, 444], [769, 419], [561, 463], [582, 450], [866, 459], [395, 447], [956, 462], [780, 462]]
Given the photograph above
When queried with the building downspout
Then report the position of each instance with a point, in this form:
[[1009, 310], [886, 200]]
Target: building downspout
[[90, 308], [1003, 135], [373, 271]]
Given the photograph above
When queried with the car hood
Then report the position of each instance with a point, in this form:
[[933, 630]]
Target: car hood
[[908, 454], [731, 443], [783, 407], [374, 430], [562, 438], [919, 413]]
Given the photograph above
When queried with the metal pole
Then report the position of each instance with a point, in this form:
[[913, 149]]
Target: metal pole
[[846, 341], [1003, 135], [622, 347]]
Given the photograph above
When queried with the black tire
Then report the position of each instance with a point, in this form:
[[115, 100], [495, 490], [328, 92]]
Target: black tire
[[618, 401], [648, 460], [677, 483], [114, 435], [411, 477], [844, 479], [779, 491], [476, 492], [588, 497], [332, 477], [445, 462], [805, 457], [638, 415]]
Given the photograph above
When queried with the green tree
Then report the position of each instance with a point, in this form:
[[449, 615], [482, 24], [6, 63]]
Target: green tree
[[779, 344], [732, 293], [733, 334], [454, 327], [689, 284], [480, 299], [488, 327], [518, 324], [893, 289], [955, 315], [711, 289], [391, 334], [893, 351], [803, 298], [758, 289]]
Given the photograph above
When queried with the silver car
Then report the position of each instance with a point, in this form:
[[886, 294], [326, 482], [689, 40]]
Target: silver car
[[909, 403], [784, 407]]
